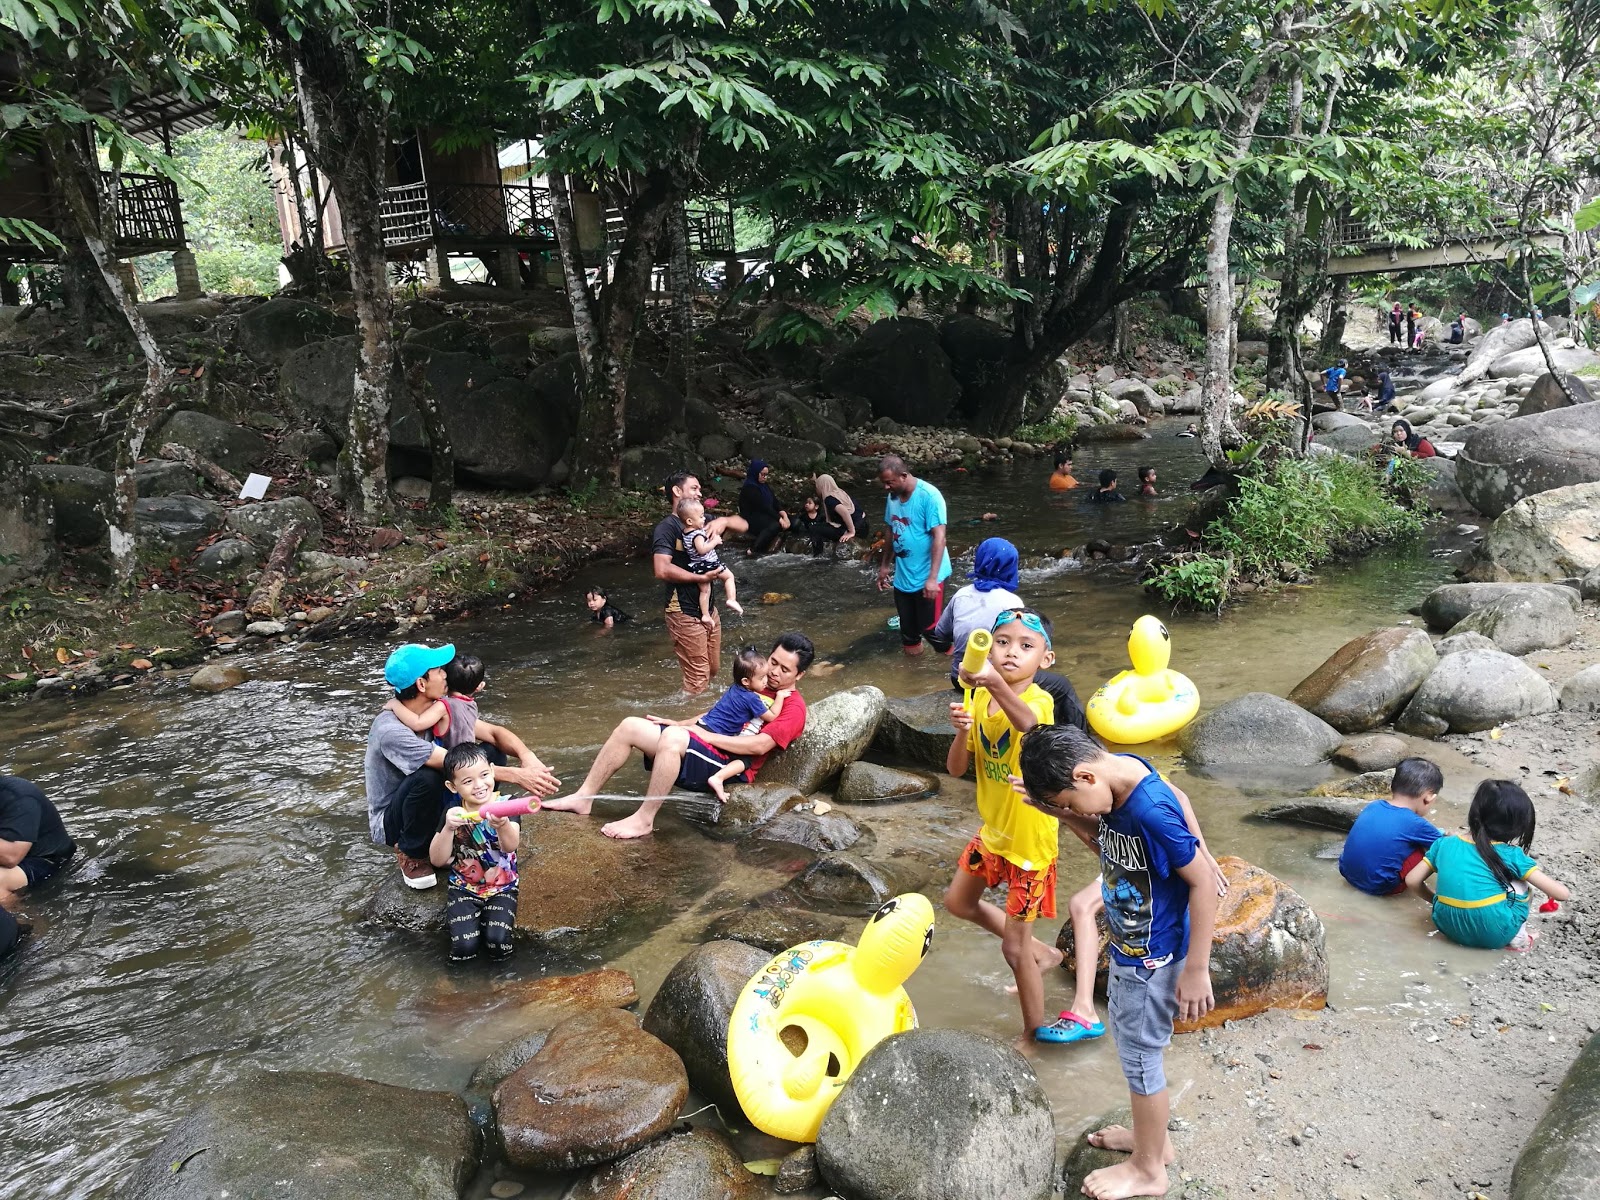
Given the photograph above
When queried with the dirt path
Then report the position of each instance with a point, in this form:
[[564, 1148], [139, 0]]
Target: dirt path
[[1434, 1096]]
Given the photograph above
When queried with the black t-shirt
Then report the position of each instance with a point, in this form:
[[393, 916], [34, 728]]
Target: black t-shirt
[[27, 816], [668, 539], [1069, 709], [610, 610]]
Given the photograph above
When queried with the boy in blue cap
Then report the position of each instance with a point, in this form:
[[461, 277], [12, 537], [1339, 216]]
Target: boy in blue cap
[[406, 797]]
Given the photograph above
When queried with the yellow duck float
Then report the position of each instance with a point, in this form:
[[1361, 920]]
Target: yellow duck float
[[808, 1018], [1149, 702]]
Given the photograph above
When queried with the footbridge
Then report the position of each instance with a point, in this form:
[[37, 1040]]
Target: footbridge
[[1357, 250]]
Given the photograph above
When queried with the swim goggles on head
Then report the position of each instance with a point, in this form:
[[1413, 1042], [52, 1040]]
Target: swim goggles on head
[[1029, 619]]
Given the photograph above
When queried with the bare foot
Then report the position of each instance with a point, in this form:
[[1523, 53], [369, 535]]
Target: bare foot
[[718, 789], [735, 606], [574, 804], [1048, 957], [636, 826], [1124, 1182], [1120, 1138]]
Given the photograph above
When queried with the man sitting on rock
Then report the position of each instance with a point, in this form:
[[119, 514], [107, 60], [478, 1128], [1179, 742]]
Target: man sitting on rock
[[406, 796], [676, 757], [34, 845]]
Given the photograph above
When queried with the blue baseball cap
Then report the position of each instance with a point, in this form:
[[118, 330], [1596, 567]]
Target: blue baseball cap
[[411, 662]]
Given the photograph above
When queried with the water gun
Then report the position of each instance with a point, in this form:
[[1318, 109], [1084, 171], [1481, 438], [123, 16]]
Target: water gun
[[521, 806], [977, 653]]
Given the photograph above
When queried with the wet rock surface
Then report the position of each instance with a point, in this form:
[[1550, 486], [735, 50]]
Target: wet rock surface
[[697, 1164], [1316, 812], [690, 1014], [1370, 752], [847, 883], [218, 677], [821, 832], [774, 927], [599, 1088], [917, 730], [749, 806], [1475, 690], [1369, 785], [311, 1133], [839, 728], [868, 783], [1259, 728], [986, 1132], [1368, 679]]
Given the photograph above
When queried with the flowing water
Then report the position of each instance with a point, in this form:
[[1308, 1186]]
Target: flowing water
[[213, 920]]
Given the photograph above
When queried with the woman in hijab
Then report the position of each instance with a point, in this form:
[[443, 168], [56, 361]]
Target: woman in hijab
[[1408, 442], [847, 518], [759, 507], [992, 591]]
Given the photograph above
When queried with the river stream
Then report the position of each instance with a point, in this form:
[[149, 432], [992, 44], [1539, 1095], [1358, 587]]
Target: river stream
[[213, 920]]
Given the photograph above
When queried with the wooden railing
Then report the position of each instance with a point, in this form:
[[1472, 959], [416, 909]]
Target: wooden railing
[[149, 216], [710, 228], [467, 213]]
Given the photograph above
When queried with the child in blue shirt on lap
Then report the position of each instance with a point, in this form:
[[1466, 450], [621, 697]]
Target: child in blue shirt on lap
[[1161, 906], [742, 709], [1390, 836]]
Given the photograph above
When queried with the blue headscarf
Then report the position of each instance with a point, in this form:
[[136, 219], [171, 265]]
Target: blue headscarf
[[994, 565], [753, 493]]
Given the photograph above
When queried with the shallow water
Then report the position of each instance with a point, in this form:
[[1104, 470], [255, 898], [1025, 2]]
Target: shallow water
[[214, 918]]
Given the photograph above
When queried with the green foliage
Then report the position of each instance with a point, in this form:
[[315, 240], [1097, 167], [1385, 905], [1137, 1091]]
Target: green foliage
[[1062, 427], [1290, 515]]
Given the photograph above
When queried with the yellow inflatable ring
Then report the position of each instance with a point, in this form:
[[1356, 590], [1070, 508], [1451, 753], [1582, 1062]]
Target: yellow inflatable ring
[[1149, 702], [801, 1026]]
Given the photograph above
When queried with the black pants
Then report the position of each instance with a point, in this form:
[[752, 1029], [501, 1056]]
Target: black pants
[[1394, 332], [1068, 708], [474, 922], [416, 807], [8, 933], [764, 533]]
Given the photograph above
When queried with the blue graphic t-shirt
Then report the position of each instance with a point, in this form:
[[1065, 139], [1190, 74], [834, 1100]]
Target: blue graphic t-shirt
[[1144, 842], [1378, 844], [913, 522]]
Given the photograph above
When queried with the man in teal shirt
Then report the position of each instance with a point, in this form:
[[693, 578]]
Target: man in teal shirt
[[914, 553]]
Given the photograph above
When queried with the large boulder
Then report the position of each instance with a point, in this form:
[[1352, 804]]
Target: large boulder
[[1497, 343], [318, 380], [1371, 752], [1502, 463], [1554, 535], [1269, 949], [977, 350], [1350, 439], [1561, 1158], [821, 832], [1337, 813], [850, 884], [1526, 620], [232, 447], [898, 366], [794, 418], [775, 927], [917, 730], [748, 806], [868, 783], [644, 467], [310, 1133], [1446, 606], [691, 1010], [653, 408], [1477, 689], [271, 332], [839, 728], [261, 524], [81, 499], [1329, 421], [1368, 679], [695, 1164], [158, 477], [175, 524], [985, 1132], [1442, 490], [1581, 693], [792, 454], [1531, 361], [599, 1088], [1259, 729], [27, 521], [1546, 394]]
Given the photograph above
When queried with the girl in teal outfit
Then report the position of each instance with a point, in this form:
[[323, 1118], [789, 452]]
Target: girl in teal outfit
[[1481, 896]]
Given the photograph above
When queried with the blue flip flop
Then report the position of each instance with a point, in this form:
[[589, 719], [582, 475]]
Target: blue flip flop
[[1069, 1027]]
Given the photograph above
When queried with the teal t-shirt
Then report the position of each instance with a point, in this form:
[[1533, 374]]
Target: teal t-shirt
[[913, 522], [1472, 907]]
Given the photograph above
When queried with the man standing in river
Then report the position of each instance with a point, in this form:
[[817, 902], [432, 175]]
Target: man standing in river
[[914, 554], [406, 796], [697, 645], [686, 755]]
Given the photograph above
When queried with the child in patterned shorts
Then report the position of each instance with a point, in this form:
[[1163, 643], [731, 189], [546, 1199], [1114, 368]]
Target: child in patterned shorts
[[481, 852]]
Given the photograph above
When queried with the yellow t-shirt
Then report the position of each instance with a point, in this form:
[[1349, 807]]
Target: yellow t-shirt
[[1011, 829]]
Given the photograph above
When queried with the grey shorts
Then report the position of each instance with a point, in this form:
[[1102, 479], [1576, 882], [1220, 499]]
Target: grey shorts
[[1143, 1004]]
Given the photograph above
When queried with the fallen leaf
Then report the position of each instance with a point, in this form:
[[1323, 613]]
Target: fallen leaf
[[764, 1166], [775, 597], [1495, 734], [125, 645], [1311, 1046], [27, 653], [16, 674], [63, 655], [141, 664]]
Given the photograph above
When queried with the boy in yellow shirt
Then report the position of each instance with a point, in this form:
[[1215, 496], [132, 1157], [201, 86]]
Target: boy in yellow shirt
[[1017, 845]]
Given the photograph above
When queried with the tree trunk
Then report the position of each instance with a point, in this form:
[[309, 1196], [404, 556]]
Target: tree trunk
[[680, 276], [217, 476], [1333, 331], [77, 178], [441, 492], [263, 600]]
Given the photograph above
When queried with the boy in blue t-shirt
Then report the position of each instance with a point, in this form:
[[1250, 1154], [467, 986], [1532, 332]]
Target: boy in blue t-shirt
[[1390, 836], [1161, 905]]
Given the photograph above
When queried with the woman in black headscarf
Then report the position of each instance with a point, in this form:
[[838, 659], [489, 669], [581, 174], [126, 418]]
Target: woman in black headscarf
[[1407, 441], [759, 507]]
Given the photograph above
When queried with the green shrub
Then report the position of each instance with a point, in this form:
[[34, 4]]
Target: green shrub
[[1167, 385], [1193, 581], [1060, 428]]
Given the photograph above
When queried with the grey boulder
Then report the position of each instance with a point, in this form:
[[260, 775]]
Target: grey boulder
[[270, 332], [690, 1014], [839, 728], [1554, 535], [262, 523], [693, 1164], [81, 498], [1445, 606], [1368, 679], [175, 524], [1525, 456], [234, 448], [917, 729], [1546, 394], [1259, 728], [1581, 693], [1475, 690], [868, 783], [1561, 1158], [1522, 622], [899, 366], [986, 1132]]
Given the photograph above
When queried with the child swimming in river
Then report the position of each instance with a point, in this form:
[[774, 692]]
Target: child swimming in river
[[481, 852], [1147, 481], [1481, 897], [602, 611], [454, 719], [701, 545], [1015, 845], [742, 710]]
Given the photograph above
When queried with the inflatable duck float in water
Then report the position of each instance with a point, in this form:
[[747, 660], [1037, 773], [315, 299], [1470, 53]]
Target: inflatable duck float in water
[[807, 1018], [1149, 702]]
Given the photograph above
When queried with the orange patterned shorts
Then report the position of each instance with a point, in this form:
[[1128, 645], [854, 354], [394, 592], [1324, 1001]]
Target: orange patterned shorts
[[1029, 894]]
